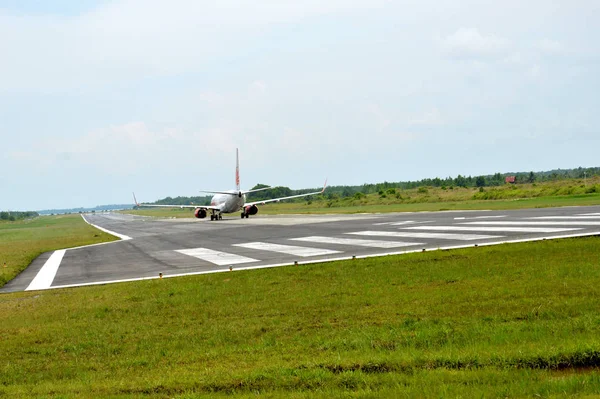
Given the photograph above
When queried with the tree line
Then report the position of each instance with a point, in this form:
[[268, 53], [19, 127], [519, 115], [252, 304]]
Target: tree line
[[13, 216]]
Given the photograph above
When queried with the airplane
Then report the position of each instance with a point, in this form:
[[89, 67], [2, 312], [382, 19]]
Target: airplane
[[229, 201]]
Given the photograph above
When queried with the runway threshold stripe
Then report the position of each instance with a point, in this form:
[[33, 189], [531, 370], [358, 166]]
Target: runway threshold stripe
[[410, 234], [43, 280], [216, 257], [493, 229], [544, 223], [357, 242], [589, 214], [287, 249]]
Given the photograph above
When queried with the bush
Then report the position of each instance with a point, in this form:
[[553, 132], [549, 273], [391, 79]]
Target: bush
[[422, 190]]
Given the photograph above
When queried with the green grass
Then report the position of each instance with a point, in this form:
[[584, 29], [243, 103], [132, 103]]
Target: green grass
[[21, 242], [503, 321]]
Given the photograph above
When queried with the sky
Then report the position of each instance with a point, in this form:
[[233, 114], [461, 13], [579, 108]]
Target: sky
[[102, 98]]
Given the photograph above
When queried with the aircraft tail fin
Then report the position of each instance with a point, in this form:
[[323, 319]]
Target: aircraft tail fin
[[237, 171], [135, 200]]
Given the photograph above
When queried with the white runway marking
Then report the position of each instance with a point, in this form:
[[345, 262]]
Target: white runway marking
[[45, 276], [481, 217], [409, 234], [216, 257], [287, 249], [121, 236], [396, 223], [495, 229], [556, 223], [590, 214], [356, 241], [568, 217]]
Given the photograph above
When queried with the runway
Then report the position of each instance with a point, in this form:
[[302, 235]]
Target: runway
[[177, 247]]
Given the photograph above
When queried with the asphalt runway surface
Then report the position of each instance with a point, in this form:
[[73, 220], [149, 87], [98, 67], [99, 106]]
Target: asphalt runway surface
[[175, 247]]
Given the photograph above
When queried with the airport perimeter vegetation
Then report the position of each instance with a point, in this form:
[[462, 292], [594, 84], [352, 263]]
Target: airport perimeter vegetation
[[508, 320]]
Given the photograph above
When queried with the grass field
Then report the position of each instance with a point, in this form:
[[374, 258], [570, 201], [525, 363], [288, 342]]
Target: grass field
[[504, 321], [573, 192], [21, 242]]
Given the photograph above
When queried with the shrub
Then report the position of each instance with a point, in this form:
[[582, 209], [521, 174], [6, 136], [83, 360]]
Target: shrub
[[422, 190]]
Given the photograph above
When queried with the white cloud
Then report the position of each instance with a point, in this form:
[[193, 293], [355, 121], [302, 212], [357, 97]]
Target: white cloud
[[469, 43]]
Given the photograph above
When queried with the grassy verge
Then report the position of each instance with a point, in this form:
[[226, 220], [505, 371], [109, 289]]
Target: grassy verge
[[21, 242], [509, 320]]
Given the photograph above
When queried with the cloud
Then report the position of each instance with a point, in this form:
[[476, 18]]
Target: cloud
[[550, 47], [469, 44]]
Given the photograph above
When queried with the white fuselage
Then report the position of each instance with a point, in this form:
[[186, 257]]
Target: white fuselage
[[228, 203]]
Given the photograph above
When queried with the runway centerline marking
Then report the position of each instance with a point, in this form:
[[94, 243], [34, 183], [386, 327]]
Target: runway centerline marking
[[43, 280], [287, 249], [216, 257], [356, 241], [493, 229], [410, 234]]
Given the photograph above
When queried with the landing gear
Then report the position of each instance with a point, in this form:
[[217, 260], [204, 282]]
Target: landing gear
[[216, 216], [245, 215]]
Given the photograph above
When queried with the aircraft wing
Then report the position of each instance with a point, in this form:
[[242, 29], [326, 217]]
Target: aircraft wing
[[180, 206], [285, 198], [175, 206]]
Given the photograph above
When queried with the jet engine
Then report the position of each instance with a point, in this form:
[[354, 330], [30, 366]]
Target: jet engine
[[200, 213], [251, 210]]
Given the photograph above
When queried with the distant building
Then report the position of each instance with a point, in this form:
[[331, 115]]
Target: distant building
[[510, 179]]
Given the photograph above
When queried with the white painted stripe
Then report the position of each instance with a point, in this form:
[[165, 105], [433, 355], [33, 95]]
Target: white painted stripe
[[482, 217], [121, 236], [396, 223], [589, 214], [494, 229], [579, 217], [216, 257], [447, 236], [287, 249], [545, 223], [43, 280], [357, 242], [308, 262]]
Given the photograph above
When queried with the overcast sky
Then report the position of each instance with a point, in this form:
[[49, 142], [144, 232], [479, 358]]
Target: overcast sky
[[102, 98]]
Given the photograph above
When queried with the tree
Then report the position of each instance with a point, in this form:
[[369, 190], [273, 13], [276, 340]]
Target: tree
[[480, 181], [531, 178]]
